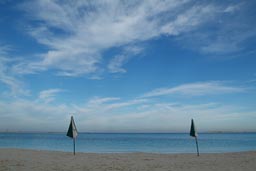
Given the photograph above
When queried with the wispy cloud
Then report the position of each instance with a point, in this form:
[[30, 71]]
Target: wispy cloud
[[125, 104], [196, 89], [49, 95], [99, 101], [116, 63], [77, 33], [227, 34], [232, 8], [7, 76], [190, 19], [29, 115], [103, 105], [4, 49], [140, 113], [111, 114]]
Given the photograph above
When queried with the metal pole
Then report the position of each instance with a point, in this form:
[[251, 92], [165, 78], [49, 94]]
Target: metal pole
[[197, 147], [74, 142]]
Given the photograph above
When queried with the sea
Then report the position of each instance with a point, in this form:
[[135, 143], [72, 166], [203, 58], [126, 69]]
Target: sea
[[132, 142]]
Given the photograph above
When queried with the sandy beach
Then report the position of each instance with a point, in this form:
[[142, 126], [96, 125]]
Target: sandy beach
[[32, 160]]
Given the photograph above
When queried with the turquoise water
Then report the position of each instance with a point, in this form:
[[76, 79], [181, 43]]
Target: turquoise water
[[131, 142]]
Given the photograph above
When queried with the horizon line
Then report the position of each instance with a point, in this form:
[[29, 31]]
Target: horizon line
[[84, 132]]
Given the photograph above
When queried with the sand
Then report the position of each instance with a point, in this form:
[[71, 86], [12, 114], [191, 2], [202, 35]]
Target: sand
[[32, 160]]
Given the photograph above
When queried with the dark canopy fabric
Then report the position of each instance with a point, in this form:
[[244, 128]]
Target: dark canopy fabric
[[193, 132], [72, 131]]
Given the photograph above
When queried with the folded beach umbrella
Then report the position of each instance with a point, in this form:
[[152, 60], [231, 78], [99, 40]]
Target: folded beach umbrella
[[72, 132], [193, 133]]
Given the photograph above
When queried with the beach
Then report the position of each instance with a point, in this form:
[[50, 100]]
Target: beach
[[30, 160]]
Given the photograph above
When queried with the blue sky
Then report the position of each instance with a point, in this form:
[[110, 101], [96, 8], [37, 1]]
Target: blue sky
[[127, 66]]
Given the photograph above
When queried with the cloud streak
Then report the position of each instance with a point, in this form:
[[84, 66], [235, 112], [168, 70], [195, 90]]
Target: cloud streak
[[111, 114], [116, 63], [7, 76], [77, 33], [49, 95], [196, 89]]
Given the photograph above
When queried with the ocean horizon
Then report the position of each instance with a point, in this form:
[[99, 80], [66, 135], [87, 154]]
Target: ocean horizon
[[131, 142]]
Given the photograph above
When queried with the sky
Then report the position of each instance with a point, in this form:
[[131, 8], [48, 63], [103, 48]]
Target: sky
[[127, 66]]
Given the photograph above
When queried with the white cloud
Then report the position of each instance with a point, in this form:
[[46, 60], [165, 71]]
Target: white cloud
[[29, 115], [227, 41], [190, 19], [227, 35], [99, 101], [116, 63], [136, 114], [9, 78], [4, 49], [107, 105], [196, 89], [77, 33], [111, 114], [125, 104], [232, 8], [49, 95]]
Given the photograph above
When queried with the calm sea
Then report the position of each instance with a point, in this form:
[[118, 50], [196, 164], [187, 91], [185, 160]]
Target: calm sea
[[131, 142]]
